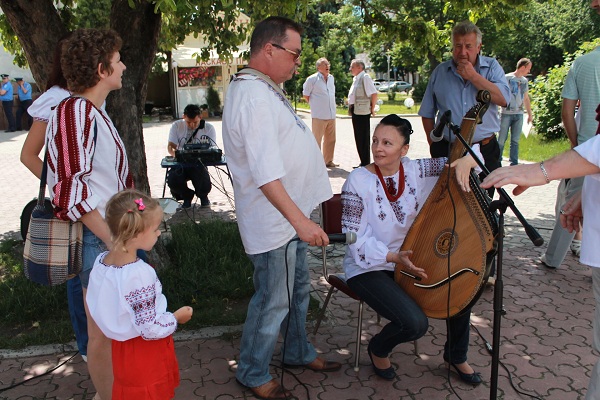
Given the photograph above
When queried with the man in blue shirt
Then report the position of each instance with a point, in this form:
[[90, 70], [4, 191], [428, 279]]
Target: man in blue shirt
[[24, 91], [453, 86], [6, 96]]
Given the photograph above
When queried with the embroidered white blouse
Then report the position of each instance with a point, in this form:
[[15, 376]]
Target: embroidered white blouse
[[127, 302], [381, 226]]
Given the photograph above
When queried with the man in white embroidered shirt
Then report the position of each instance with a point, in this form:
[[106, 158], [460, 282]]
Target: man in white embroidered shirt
[[319, 91], [278, 179]]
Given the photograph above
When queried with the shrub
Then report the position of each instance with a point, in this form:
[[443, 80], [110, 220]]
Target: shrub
[[419, 90], [546, 94], [547, 104], [213, 100], [392, 93]]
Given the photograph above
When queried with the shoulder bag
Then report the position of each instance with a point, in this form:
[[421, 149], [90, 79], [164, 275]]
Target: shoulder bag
[[53, 250]]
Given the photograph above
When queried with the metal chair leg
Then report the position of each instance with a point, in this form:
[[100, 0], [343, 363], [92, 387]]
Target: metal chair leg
[[358, 332], [416, 345], [323, 309]]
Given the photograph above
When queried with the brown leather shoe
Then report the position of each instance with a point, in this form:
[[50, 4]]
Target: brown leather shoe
[[331, 164], [319, 365], [270, 390]]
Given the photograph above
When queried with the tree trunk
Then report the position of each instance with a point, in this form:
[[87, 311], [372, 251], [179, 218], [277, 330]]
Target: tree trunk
[[139, 28], [38, 28]]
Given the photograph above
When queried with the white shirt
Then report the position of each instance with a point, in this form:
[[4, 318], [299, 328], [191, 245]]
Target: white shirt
[[368, 84], [180, 133], [265, 141], [590, 251], [84, 174], [127, 302], [381, 226], [42, 107], [321, 96]]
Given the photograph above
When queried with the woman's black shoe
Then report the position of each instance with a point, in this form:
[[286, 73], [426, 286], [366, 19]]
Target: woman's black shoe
[[388, 374], [474, 378]]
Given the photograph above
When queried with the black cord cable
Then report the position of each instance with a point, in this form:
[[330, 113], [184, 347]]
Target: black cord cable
[[294, 376], [489, 349], [39, 376], [287, 328]]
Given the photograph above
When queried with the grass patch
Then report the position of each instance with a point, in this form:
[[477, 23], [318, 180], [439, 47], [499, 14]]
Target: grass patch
[[535, 148], [31, 313], [209, 271]]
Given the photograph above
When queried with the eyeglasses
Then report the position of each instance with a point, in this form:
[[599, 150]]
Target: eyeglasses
[[296, 54]]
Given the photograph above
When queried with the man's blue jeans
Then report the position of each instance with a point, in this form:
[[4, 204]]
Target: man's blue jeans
[[407, 321], [515, 123], [269, 313]]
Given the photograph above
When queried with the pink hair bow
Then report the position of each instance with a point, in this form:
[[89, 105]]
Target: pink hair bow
[[140, 203]]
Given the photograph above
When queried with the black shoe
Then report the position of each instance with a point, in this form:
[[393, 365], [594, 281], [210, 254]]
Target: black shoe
[[474, 378], [388, 374], [204, 202], [10, 130]]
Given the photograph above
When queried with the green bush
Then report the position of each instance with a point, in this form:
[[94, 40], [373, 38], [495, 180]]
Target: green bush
[[547, 104], [546, 94], [392, 93], [213, 100], [419, 90]]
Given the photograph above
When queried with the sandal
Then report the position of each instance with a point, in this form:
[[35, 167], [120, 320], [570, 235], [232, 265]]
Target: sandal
[[576, 247]]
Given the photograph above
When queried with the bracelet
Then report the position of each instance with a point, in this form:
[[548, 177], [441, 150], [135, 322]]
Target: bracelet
[[544, 172]]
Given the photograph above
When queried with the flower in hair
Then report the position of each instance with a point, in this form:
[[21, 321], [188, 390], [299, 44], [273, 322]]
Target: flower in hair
[[140, 203]]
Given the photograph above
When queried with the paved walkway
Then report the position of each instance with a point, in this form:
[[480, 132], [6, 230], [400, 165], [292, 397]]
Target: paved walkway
[[545, 337]]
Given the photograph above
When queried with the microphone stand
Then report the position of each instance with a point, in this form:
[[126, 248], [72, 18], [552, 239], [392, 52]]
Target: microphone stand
[[498, 205]]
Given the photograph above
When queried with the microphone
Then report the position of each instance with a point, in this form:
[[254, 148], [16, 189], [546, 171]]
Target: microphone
[[347, 238], [437, 133]]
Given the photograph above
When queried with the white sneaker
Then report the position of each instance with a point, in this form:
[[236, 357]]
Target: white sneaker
[[576, 247], [84, 357]]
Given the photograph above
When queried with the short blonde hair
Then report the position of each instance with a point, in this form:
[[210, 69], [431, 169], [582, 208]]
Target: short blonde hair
[[128, 213]]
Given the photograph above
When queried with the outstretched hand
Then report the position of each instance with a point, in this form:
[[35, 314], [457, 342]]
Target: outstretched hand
[[522, 175]]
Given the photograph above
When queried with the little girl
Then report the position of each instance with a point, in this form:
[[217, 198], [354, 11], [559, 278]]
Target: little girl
[[125, 299]]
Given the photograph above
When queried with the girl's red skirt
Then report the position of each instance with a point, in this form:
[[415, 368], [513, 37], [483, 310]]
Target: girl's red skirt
[[144, 369]]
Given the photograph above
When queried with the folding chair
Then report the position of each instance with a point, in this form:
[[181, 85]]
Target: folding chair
[[331, 222]]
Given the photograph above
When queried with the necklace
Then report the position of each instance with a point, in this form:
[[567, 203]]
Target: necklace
[[392, 197]]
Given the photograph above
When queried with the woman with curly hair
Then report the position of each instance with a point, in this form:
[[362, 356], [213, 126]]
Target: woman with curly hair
[[79, 133]]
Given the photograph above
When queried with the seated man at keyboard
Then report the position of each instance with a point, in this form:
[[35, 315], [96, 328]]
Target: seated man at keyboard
[[192, 129]]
